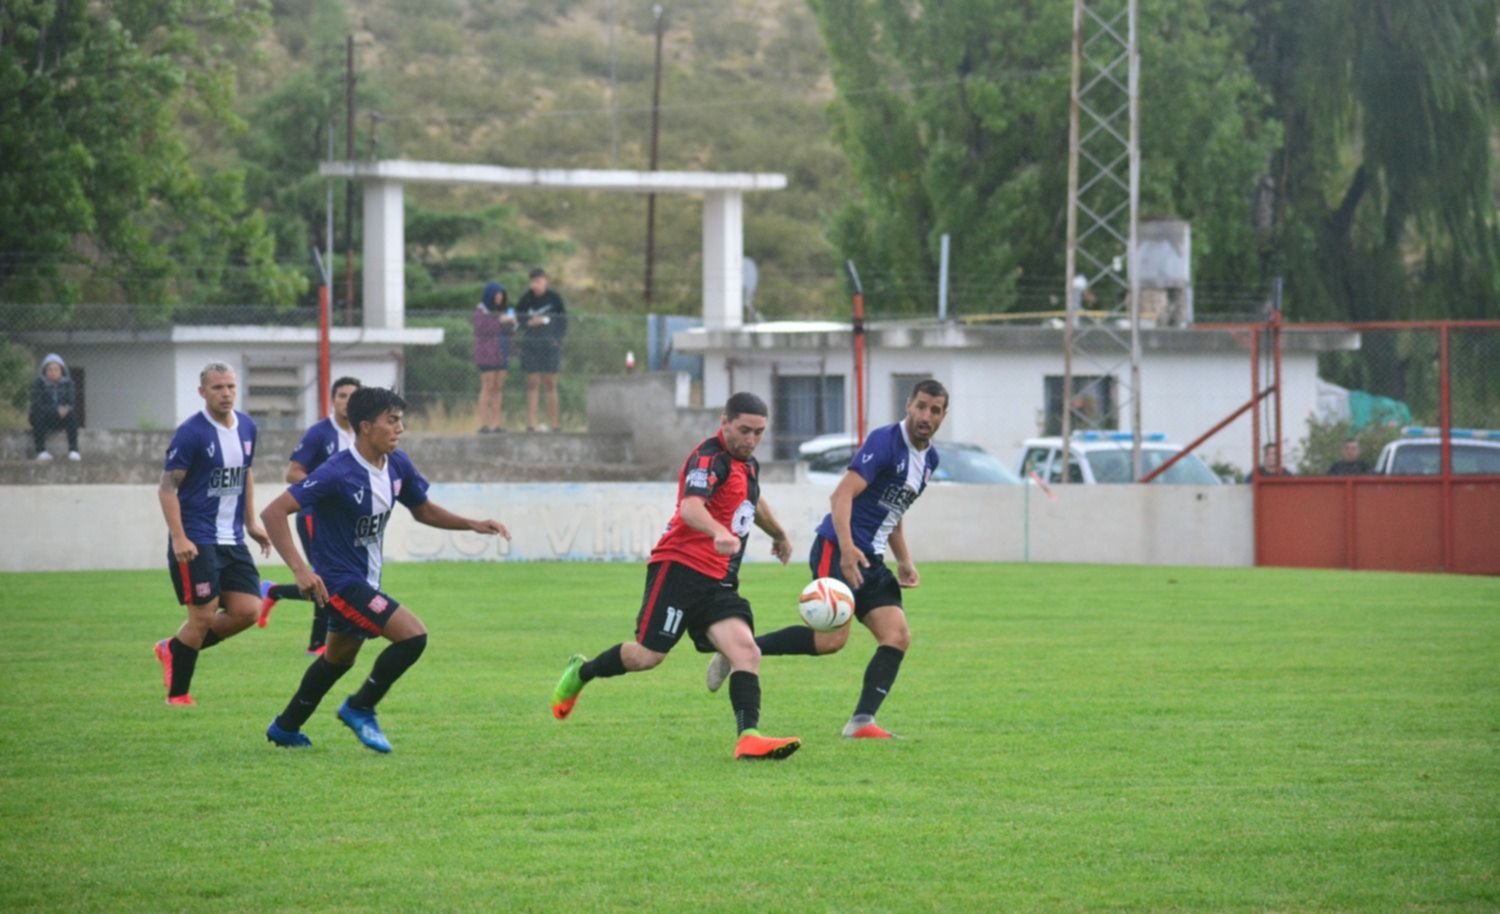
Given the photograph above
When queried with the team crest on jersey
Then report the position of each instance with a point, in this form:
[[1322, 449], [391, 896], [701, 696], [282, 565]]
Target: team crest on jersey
[[210, 450], [379, 604], [249, 446], [359, 496]]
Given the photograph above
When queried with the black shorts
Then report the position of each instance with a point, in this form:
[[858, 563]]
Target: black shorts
[[217, 569], [360, 610], [541, 356], [679, 599], [879, 589]]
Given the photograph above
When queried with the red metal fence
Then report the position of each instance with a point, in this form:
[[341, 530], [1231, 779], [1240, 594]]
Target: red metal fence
[[1418, 508]]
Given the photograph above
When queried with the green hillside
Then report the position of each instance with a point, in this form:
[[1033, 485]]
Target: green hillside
[[745, 87]]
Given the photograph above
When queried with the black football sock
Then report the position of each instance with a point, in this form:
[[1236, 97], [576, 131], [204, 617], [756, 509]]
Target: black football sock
[[285, 592], [319, 678], [184, 661], [744, 697], [608, 663], [210, 639], [880, 675], [392, 662], [319, 634], [794, 639]]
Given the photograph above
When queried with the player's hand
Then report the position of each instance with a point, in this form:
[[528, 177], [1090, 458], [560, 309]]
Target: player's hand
[[258, 533], [906, 574], [536, 322], [726, 543], [850, 562], [312, 587], [489, 528], [782, 549], [183, 550]]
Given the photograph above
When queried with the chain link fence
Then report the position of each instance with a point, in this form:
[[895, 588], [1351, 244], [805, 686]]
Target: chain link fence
[[136, 368], [1379, 406]]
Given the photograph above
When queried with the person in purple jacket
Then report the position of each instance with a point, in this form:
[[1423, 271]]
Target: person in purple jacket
[[494, 321]]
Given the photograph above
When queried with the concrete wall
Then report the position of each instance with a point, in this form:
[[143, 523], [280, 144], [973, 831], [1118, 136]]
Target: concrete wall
[[645, 407], [107, 527]]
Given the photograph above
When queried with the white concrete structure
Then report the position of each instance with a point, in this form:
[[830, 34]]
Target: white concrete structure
[[71, 528], [1190, 378], [149, 379], [723, 216]]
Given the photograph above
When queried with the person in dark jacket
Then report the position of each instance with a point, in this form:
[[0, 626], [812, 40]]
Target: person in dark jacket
[[53, 407], [494, 322], [544, 323], [1349, 463]]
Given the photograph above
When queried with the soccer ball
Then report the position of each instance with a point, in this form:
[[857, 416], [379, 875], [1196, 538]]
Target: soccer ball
[[826, 604]]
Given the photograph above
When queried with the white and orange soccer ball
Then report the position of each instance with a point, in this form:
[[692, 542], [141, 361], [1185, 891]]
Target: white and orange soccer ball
[[826, 604]]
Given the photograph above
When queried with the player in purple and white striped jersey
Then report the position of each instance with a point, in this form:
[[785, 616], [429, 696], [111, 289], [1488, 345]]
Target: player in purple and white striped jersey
[[208, 499], [885, 476], [351, 496], [321, 441]]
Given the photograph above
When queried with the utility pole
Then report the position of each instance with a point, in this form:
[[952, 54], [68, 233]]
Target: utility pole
[[655, 136], [614, 111], [349, 184]]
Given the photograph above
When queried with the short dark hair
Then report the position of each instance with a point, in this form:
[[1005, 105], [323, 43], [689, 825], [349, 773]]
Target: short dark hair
[[745, 402], [932, 388], [537, 272], [345, 381], [367, 403]]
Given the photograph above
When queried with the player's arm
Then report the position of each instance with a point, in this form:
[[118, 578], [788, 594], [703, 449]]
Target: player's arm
[[906, 569], [295, 473], [279, 532], [171, 508], [694, 513], [841, 509], [434, 515], [781, 544], [252, 526]]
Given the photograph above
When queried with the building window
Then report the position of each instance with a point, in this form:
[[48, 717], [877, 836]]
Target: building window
[[901, 386], [1093, 403], [806, 407]]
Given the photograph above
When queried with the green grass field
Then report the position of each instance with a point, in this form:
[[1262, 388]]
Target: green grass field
[[1076, 739]]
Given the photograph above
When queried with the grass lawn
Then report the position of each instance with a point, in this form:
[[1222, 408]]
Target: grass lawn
[[1076, 739]]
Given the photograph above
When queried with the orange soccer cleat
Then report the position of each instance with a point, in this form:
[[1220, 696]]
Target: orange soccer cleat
[[752, 746], [164, 654], [183, 701]]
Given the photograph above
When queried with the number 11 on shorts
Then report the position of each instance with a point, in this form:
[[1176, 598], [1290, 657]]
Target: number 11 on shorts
[[673, 621]]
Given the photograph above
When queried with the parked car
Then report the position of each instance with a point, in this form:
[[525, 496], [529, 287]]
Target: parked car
[[1474, 453], [1104, 457], [828, 457]]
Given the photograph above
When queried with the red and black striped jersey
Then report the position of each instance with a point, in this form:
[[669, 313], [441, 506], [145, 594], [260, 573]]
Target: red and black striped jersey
[[731, 489]]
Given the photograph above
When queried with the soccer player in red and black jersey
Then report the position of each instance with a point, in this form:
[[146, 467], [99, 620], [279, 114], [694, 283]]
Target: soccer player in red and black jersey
[[692, 579]]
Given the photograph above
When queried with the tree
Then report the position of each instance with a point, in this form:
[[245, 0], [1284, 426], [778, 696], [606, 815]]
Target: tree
[[104, 194], [1342, 143], [1383, 187]]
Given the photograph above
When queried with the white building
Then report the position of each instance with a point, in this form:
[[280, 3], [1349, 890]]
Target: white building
[[1005, 380], [148, 379]]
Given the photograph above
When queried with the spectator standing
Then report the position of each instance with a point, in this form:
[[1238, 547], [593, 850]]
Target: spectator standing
[[1270, 462], [53, 405], [1349, 463], [494, 323], [544, 323]]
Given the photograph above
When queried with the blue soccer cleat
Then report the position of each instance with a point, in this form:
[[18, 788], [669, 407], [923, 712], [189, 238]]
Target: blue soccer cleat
[[287, 739], [365, 727]]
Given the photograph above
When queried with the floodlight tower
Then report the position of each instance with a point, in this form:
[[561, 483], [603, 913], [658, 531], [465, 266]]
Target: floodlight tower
[[1104, 167]]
